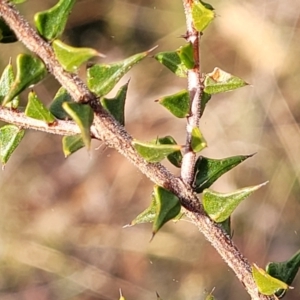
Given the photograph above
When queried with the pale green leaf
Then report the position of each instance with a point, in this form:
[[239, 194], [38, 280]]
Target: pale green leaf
[[198, 142], [202, 15], [71, 144]]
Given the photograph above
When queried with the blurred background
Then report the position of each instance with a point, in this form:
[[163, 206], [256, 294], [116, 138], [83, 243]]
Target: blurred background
[[61, 220]]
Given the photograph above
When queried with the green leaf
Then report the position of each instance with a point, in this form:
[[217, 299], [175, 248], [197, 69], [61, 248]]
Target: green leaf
[[148, 215], [72, 143], [116, 106], [186, 55], [198, 142], [220, 206], [208, 170], [178, 104], [204, 100], [219, 81], [51, 23], [72, 58], [10, 138], [202, 15], [30, 70], [102, 78], [6, 34], [266, 284], [83, 115], [37, 110], [6, 81], [56, 106], [167, 207], [226, 225], [172, 61], [174, 158], [285, 271], [153, 152]]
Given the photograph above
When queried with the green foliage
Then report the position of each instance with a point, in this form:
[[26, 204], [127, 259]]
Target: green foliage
[[83, 115], [208, 170], [220, 206], [102, 78], [285, 271], [10, 138], [202, 14], [51, 23], [30, 70], [198, 142], [267, 284], [72, 58], [178, 104], [116, 105], [56, 106], [186, 55], [37, 110], [72, 143], [6, 34]]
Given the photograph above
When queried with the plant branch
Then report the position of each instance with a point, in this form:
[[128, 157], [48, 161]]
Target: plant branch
[[114, 135], [195, 89]]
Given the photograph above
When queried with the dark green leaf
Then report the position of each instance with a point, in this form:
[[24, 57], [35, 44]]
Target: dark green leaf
[[6, 34], [116, 106], [178, 104], [72, 58], [285, 271], [208, 170], [154, 152], [167, 207], [172, 61], [10, 138], [226, 225], [202, 15], [186, 55], [72, 143], [204, 100], [102, 78], [30, 70], [220, 206], [174, 158], [198, 142], [219, 81], [266, 284], [83, 115], [51, 23], [37, 110], [56, 106], [6, 81]]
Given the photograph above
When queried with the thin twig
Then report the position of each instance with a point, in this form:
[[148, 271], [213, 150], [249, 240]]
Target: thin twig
[[195, 89], [114, 135]]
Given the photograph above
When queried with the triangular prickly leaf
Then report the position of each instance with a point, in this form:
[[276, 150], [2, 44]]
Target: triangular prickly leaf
[[226, 225], [146, 216], [208, 170], [198, 142], [219, 81], [102, 78], [72, 58], [72, 143], [285, 271], [6, 34], [56, 105], [10, 138], [202, 15], [154, 152], [219, 206], [51, 23], [83, 115], [174, 158], [186, 55], [266, 284], [172, 61], [6, 81], [30, 70], [167, 207], [204, 100], [178, 104], [116, 105], [37, 110]]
